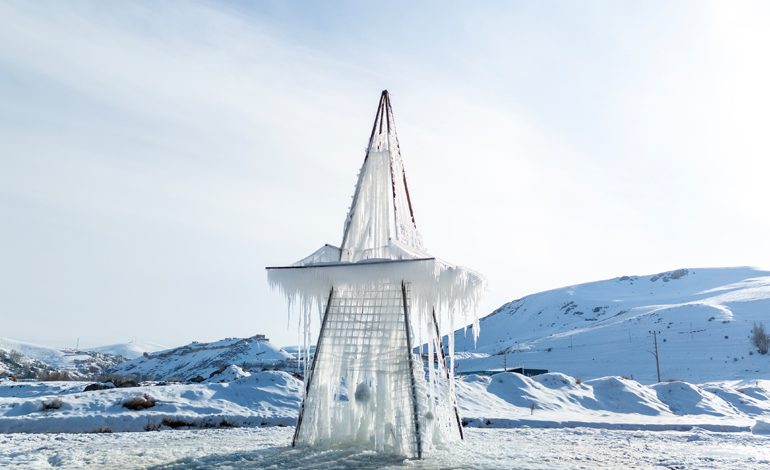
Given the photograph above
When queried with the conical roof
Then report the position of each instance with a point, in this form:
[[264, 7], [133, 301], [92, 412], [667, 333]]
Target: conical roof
[[380, 223]]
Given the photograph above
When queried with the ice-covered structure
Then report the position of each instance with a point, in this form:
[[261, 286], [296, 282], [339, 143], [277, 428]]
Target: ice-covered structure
[[380, 296]]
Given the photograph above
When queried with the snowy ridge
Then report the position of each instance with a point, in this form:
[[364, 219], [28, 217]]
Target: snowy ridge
[[130, 350], [52, 357], [703, 318], [26, 360], [198, 361]]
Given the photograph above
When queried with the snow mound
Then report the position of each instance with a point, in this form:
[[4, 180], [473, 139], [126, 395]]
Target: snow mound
[[623, 396], [761, 427], [686, 399], [740, 399], [557, 400], [229, 374], [555, 380], [199, 361]]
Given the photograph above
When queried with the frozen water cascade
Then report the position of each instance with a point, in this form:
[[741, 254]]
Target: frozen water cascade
[[379, 296]]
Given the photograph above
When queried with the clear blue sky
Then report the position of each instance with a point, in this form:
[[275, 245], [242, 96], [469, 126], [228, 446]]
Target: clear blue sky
[[155, 156]]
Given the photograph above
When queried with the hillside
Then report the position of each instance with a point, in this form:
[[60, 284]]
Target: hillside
[[25, 360], [197, 361], [703, 318]]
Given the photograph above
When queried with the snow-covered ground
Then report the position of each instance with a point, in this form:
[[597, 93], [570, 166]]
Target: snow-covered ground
[[241, 399], [703, 318], [268, 447], [236, 398]]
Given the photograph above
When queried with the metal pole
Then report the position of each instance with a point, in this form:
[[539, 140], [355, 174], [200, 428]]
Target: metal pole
[[309, 378], [446, 368], [657, 361], [415, 409], [657, 357]]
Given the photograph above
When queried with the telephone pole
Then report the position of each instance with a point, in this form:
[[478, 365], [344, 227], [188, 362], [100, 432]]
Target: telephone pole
[[657, 361]]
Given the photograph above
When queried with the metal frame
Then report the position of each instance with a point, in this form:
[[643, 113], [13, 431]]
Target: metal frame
[[415, 406], [309, 378]]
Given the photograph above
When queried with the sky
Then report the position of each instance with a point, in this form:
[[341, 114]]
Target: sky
[[156, 156]]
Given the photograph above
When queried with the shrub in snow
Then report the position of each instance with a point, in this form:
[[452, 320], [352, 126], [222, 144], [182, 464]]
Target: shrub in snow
[[52, 404], [15, 356], [141, 402], [121, 381], [55, 376], [759, 338], [99, 386], [175, 423]]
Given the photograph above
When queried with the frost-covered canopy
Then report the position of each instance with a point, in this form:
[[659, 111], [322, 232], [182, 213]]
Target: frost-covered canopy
[[380, 223]]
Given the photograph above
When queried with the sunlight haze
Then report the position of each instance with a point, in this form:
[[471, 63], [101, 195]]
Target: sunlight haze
[[156, 156]]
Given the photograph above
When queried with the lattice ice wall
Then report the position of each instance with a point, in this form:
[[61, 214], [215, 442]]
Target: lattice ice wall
[[363, 386]]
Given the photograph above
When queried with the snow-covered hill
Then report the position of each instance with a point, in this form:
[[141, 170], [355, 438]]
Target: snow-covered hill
[[130, 350], [26, 360], [198, 361], [703, 318]]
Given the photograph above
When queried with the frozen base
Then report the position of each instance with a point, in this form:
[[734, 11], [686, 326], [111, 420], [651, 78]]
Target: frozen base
[[268, 448]]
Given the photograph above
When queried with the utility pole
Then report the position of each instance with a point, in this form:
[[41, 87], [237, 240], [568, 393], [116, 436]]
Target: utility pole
[[657, 361]]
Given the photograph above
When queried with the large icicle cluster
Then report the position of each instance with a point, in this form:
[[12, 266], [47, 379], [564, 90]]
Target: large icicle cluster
[[380, 223], [380, 298], [361, 392]]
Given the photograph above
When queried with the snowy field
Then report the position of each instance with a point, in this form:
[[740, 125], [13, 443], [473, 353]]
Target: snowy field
[[484, 448]]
